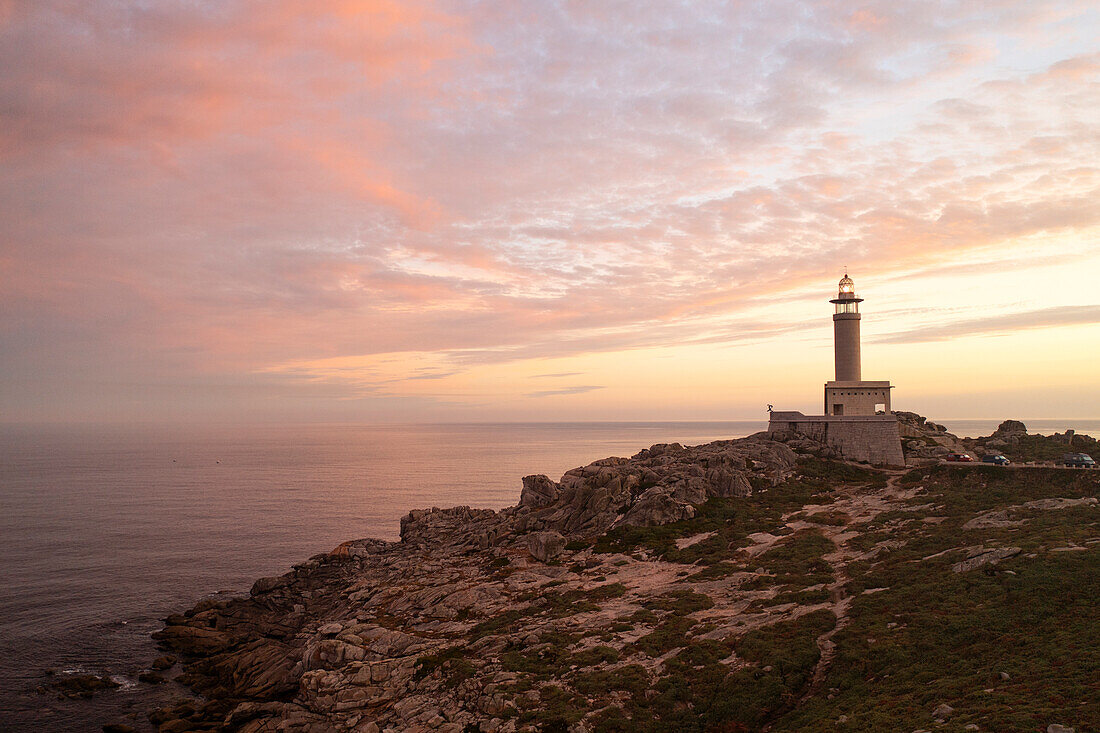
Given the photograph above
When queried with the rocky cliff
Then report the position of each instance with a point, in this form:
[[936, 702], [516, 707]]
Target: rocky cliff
[[732, 586]]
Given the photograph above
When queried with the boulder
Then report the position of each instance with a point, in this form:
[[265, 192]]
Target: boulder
[[193, 639], [656, 507], [83, 685], [538, 491], [942, 712], [545, 546], [1009, 427], [266, 585], [247, 711]]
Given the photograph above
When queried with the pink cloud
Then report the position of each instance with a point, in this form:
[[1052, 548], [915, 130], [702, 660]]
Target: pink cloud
[[216, 189]]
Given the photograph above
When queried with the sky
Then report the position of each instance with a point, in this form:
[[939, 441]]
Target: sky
[[527, 210]]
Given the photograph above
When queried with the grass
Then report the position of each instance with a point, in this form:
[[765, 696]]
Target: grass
[[697, 693], [715, 572], [796, 561], [632, 678], [831, 518], [934, 636], [556, 710], [670, 634], [451, 662], [679, 601]]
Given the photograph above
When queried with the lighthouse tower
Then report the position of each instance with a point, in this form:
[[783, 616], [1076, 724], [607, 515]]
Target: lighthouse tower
[[846, 331], [849, 394]]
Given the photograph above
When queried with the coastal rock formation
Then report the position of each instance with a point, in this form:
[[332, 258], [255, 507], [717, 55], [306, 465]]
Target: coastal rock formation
[[1008, 429], [685, 588], [538, 491], [80, 685], [659, 485]]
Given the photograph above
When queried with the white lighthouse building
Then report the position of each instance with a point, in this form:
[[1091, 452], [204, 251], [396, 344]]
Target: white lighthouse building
[[857, 423]]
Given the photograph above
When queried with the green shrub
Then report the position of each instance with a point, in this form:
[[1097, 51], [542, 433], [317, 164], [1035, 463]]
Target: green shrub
[[632, 678]]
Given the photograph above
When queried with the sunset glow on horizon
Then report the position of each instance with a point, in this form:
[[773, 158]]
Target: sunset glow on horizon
[[380, 211]]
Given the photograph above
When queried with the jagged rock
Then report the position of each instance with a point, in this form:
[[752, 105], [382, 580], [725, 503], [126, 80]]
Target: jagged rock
[[247, 711], [162, 663], [193, 639], [262, 668], [910, 423], [538, 491], [655, 507], [659, 484], [545, 546], [266, 585], [331, 653], [1009, 427], [924, 442], [83, 685], [460, 523]]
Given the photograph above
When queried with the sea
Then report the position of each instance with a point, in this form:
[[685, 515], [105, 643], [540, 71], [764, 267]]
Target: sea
[[105, 530]]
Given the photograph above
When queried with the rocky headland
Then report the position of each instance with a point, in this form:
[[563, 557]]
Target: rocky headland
[[741, 585]]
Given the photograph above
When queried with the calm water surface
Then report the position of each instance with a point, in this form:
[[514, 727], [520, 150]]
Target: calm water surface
[[103, 531]]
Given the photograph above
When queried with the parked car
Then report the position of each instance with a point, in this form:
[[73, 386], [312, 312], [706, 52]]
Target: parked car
[[1078, 460], [960, 458], [996, 458]]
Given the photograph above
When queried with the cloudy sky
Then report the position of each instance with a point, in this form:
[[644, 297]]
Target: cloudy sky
[[376, 210]]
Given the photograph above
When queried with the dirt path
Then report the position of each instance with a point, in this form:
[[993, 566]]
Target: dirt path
[[865, 505]]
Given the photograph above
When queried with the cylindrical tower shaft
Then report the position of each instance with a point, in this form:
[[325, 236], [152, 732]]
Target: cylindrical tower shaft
[[846, 346], [846, 331]]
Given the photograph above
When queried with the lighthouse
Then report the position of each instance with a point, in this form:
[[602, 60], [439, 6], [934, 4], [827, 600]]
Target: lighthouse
[[858, 424], [849, 394], [846, 331]]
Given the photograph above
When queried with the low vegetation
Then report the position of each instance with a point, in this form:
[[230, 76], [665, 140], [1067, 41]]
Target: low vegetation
[[1009, 646]]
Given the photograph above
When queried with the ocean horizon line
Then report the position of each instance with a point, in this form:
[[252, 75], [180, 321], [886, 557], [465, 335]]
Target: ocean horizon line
[[380, 423]]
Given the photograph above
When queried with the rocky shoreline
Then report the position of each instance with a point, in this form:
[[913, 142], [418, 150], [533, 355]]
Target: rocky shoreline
[[686, 588]]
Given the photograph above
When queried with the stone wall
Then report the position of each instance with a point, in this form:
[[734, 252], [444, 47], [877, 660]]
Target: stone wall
[[871, 438]]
